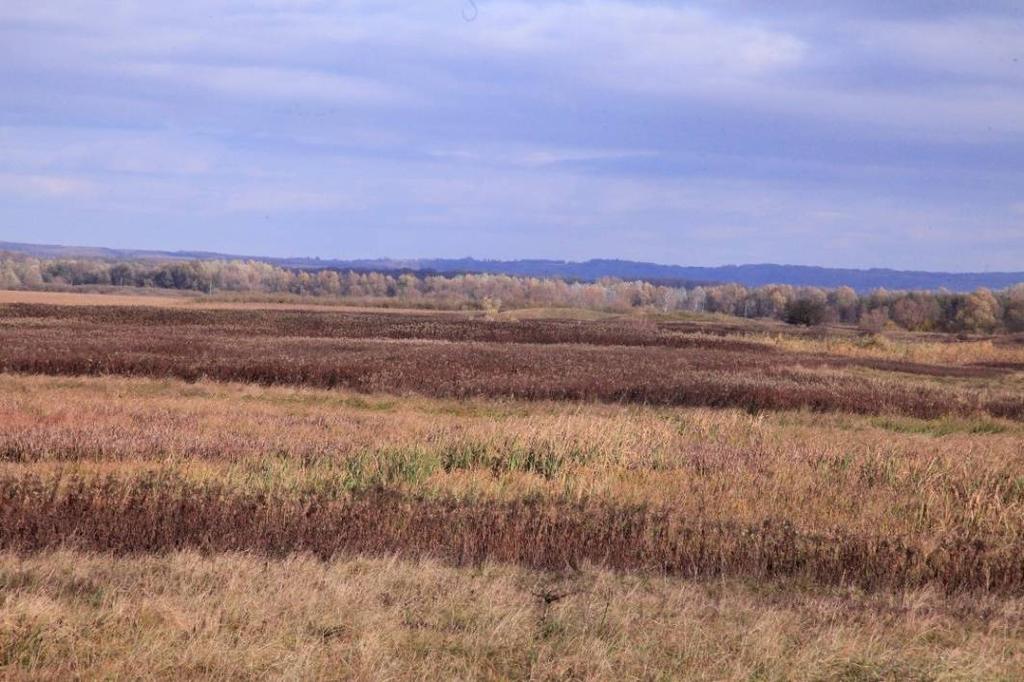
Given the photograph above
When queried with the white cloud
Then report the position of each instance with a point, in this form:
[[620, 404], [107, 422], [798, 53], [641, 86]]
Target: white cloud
[[535, 157], [399, 54], [45, 186], [92, 150], [634, 46], [555, 118], [271, 83]]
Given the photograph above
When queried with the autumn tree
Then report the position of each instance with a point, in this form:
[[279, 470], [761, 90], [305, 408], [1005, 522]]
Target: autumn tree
[[807, 311], [979, 313], [845, 302], [982, 311], [916, 312], [1013, 309]]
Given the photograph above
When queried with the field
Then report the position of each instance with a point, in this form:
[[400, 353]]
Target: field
[[238, 490]]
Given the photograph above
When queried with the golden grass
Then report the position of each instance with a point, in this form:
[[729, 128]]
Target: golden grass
[[65, 615], [864, 475], [581, 314], [904, 348], [150, 465], [89, 299], [162, 298]]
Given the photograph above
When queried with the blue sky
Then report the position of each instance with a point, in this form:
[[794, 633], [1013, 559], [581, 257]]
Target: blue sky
[[844, 133]]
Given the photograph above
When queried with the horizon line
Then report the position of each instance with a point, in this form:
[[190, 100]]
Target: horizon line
[[196, 254]]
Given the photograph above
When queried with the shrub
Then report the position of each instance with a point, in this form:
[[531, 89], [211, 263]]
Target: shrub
[[806, 311]]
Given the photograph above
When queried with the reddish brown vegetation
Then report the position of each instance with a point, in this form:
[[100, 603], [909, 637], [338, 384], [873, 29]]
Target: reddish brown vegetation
[[533, 360], [159, 515], [349, 325], [916, 516]]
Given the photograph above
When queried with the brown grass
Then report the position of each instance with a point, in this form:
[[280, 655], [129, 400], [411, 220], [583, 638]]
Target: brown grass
[[165, 298], [161, 514], [539, 360], [905, 496], [899, 475], [154, 297], [927, 350], [498, 470], [68, 615]]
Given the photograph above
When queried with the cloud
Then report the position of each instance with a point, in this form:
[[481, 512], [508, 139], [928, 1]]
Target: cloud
[[637, 46], [784, 64], [536, 157], [92, 150], [45, 186], [849, 133], [271, 83]]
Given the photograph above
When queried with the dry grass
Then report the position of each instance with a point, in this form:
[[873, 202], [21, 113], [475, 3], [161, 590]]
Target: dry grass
[[164, 298], [498, 470], [149, 297], [232, 616], [581, 314], [915, 495], [906, 348], [160, 513], [458, 357]]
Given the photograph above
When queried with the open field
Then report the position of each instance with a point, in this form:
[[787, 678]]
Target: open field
[[158, 297], [229, 616], [448, 496], [137, 465], [170, 298], [672, 363]]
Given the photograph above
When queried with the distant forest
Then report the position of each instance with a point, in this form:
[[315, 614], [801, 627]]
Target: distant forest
[[982, 311], [751, 275]]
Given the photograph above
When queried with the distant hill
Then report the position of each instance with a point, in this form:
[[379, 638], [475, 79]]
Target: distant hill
[[748, 275]]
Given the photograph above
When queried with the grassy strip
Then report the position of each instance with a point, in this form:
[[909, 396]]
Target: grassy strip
[[161, 514], [633, 376], [69, 615], [822, 472], [459, 358]]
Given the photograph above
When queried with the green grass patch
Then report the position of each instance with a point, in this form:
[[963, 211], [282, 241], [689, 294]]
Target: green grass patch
[[942, 427]]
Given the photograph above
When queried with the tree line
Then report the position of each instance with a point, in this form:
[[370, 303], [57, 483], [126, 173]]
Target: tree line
[[982, 311]]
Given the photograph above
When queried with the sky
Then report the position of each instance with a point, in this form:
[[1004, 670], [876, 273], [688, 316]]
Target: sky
[[850, 133]]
